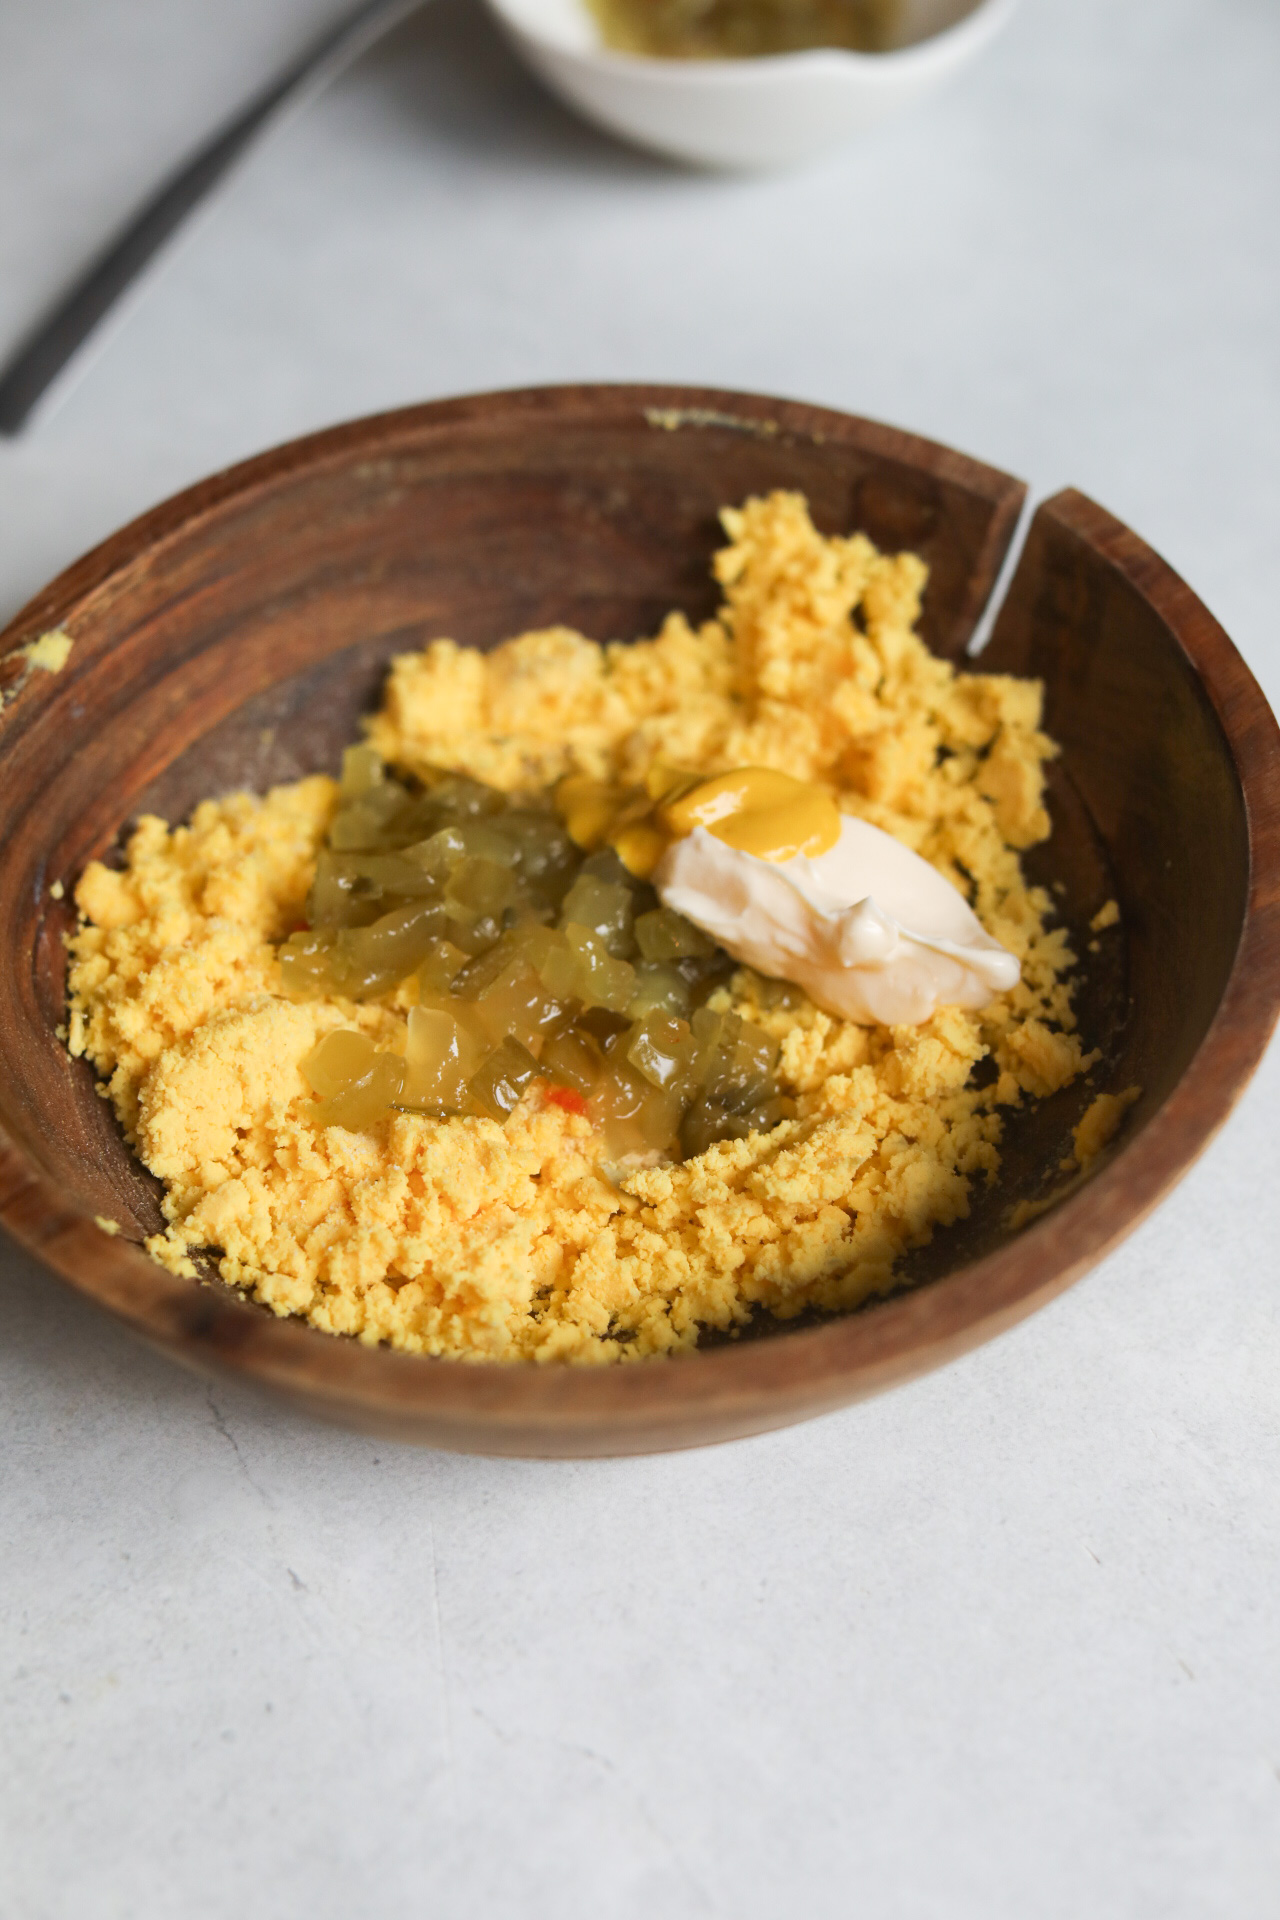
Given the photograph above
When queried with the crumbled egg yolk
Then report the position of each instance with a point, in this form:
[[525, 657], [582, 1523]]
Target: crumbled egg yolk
[[519, 1241]]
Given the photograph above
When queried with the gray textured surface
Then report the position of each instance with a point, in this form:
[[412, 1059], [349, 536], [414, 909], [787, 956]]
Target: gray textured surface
[[1004, 1645]]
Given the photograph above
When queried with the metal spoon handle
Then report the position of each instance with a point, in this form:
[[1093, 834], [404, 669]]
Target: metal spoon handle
[[61, 331]]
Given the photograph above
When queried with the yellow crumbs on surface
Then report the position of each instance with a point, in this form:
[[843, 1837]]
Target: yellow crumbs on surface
[[50, 652], [504, 1242]]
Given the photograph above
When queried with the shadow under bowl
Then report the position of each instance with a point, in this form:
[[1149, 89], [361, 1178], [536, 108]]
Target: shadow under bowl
[[233, 636]]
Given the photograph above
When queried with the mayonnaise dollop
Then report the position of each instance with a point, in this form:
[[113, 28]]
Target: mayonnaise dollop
[[871, 931]]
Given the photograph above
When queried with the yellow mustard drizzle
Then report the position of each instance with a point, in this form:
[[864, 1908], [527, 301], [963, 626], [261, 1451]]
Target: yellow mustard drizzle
[[588, 808], [753, 809], [759, 811]]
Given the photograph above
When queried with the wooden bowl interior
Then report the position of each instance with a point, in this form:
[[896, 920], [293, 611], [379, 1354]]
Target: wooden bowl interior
[[1146, 752]]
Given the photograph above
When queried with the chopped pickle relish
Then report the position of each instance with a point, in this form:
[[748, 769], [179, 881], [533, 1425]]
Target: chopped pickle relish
[[530, 959], [741, 29]]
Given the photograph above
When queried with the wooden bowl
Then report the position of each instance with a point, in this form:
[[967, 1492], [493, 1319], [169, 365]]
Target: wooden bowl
[[232, 636]]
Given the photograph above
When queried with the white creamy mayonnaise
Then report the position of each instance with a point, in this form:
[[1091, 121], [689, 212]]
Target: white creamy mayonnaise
[[871, 931]]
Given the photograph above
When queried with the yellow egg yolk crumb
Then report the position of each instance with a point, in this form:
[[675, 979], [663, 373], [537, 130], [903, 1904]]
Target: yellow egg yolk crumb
[[1100, 1124], [468, 1238]]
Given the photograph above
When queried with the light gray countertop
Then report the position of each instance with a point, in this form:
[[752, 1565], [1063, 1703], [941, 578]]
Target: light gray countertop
[[1003, 1645]]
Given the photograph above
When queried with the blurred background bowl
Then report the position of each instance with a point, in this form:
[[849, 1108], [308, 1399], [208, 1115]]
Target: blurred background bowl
[[775, 110]]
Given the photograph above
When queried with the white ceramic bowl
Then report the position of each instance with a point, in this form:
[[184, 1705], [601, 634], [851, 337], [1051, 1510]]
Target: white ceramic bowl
[[776, 110]]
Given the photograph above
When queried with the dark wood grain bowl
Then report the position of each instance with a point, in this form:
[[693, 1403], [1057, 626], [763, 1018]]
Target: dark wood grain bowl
[[232, 637]]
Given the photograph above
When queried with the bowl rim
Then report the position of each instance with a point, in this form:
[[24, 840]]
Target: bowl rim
[[759, 1384]]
